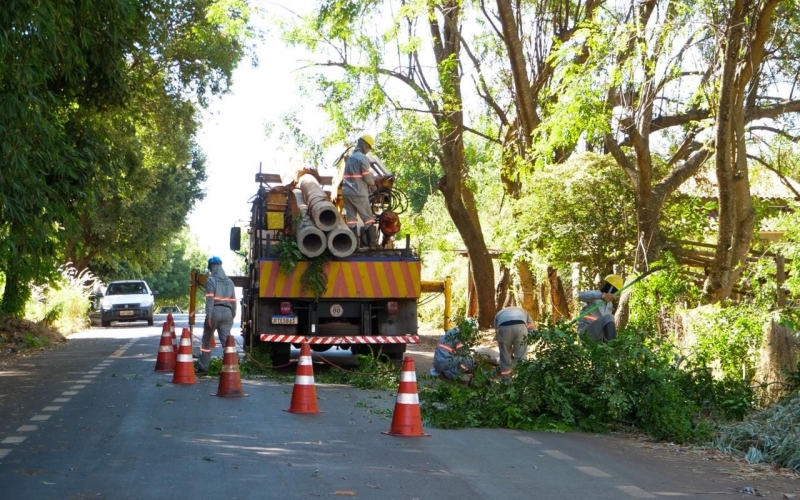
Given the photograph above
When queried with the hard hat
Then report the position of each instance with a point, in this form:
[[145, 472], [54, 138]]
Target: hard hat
[[615, 280], [368, 139], [214, 261]]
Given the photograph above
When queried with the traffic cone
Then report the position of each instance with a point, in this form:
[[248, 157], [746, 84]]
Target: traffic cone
[[304, 394], [171, 323], [407, 419], [165, 362], [230, 383], [184, 366]]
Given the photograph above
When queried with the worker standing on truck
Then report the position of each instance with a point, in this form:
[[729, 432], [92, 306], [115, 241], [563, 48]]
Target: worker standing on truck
[[511, 326], [596, 319], [220, 311], [357, 185]]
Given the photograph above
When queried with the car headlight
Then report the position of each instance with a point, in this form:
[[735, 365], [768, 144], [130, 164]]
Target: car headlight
[[147, 302], [105, 304]]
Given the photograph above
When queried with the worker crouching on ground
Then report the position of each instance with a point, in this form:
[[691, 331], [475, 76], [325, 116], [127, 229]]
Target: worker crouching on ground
[[512, 325], [357, 184], [596, 319], [452, 358], [220, 311]]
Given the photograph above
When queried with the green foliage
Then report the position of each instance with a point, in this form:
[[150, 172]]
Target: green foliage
[[255, 361], [100, 161], [288, 254], [771, 436], [730, 337], [63, 302], [315, 278], [569, 384], [660, 295], [581, 211], [215, 367], [372, 372], [34, 342], [171, 279]]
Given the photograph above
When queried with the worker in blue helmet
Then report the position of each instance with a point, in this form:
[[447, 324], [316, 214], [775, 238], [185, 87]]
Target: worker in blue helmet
[[220, 311]]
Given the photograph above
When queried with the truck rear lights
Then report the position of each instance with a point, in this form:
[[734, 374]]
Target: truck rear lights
[[286, 308], [392, 307]]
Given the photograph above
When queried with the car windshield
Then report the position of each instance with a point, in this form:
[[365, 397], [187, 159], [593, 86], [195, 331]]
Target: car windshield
[[125, 289]]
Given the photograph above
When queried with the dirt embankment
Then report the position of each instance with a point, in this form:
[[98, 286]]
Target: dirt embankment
[[19, 337]]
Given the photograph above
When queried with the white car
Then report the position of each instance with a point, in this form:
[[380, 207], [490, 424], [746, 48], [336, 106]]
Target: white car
[[130, 300]]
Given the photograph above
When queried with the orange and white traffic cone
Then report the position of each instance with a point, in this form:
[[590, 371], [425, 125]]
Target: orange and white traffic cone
[[304, 394], [171, 323], [165, 362], [230, 383], [407, 418], [184, 366]]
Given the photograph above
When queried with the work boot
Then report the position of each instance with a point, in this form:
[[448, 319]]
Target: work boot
[[372, 237], [354, 230]]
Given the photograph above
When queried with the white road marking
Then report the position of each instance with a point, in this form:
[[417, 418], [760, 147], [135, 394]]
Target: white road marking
[[27, 428], [89, 376], [4, 453], [96, 371], [51, 408], [61, 400], [13, 440], [593, 472], [526, 439], [39, 418], [69, 393], [635, 492], [80, 386], [558, 455]]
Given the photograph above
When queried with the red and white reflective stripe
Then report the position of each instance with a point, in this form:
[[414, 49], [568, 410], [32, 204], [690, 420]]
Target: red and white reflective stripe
[[204, 350], [408, 377], [228, 350], [407, 399], [360, 339], [186, 341], [166, 348], [184, 358]]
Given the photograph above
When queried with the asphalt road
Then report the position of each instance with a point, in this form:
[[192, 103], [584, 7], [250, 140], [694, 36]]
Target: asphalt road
[[91, 419]]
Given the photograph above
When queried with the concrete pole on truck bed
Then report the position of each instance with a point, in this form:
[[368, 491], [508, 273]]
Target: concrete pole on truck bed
[[341, 240], [311, 241]]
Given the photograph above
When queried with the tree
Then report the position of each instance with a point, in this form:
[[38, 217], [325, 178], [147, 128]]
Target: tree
[[346, 30], [80, 84]]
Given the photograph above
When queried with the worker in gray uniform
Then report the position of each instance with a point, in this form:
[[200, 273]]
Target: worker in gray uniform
[[596, 319], [451, 357], [511, 326], [357, 185], [220, 311]]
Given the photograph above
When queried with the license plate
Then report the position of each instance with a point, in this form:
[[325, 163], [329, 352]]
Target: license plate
[[126, 313], [284, 320]]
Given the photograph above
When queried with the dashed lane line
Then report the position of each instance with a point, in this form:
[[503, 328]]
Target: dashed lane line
[[558, 455], [593, 472], [635, 492], [526, 439], [4, 452]]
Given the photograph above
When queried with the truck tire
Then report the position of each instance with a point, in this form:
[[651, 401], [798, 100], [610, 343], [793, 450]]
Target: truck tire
[[105, 323], [150, 321], [281, 353]]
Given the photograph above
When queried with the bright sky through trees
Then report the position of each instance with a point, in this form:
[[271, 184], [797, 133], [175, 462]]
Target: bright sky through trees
[[234, 139]]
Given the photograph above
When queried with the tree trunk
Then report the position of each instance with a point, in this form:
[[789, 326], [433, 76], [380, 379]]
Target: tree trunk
[[526, 290], [16, 291], [459, 201], [502, 294], [558, 299], [736, 213]]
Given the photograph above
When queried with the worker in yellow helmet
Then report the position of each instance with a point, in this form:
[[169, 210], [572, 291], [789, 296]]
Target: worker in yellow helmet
[[357, 184], [596, 319]]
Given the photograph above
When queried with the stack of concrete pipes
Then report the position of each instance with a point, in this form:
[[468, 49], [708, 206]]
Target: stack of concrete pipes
[[320, 226]]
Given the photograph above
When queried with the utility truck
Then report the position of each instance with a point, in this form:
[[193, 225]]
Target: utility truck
[[308, 280]]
